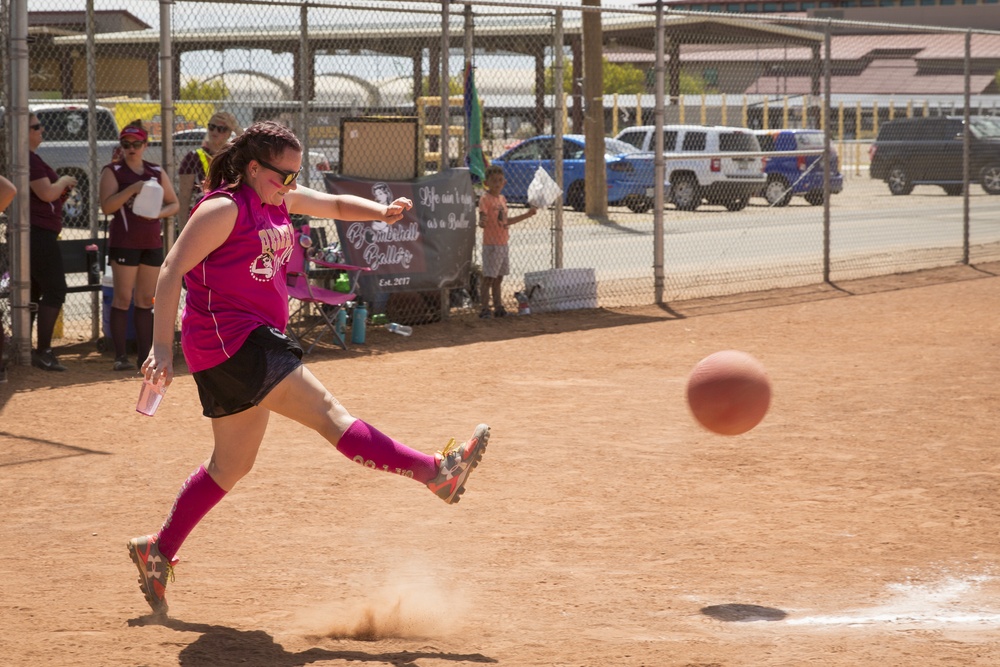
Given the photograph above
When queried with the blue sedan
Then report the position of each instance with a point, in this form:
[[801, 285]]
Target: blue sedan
[[629, 171]]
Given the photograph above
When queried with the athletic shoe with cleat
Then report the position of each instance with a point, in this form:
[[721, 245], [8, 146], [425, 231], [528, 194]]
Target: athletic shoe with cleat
[[456, 463], [154, 571]]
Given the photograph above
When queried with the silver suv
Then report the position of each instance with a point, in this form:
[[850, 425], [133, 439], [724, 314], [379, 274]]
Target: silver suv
[[722, 176]]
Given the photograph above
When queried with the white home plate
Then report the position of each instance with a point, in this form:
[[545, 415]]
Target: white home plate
[[953, 601]]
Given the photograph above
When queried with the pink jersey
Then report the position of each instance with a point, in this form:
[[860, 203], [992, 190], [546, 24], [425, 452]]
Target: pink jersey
[[240, 285]]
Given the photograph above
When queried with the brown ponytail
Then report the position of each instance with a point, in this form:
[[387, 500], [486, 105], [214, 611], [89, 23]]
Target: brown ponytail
[[265, 140]]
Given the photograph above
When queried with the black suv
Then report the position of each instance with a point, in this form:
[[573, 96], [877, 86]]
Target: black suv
[[928, 151]]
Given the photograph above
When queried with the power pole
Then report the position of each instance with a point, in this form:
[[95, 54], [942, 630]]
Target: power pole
[[595, 175]]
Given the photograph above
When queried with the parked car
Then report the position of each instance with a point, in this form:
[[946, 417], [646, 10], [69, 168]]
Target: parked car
[[929, 151], [796, 175], [728, 181], [629, 171]]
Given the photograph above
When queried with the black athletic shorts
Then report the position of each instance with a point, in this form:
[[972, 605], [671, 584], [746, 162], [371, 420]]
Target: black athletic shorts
[[136, 256], [48, 278], [243, 380]]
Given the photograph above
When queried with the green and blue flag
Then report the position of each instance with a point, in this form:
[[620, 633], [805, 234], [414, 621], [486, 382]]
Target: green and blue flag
[[474, 158]]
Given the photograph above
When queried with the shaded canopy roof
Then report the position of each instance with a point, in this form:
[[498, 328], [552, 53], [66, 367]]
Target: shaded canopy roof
[[514, 34]]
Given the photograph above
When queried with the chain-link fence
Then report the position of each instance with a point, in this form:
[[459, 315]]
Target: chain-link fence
[[794, 151]]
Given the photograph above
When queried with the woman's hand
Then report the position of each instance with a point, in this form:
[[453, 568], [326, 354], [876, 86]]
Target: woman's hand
[[394, 211], [159, 364]]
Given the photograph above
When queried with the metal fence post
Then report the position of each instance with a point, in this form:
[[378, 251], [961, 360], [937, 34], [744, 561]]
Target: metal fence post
[[826, 151], [445, 89], [659, 168], [305, 67], [94, 194], [20, 237], [966, 148], [557, 132], [167, 104]]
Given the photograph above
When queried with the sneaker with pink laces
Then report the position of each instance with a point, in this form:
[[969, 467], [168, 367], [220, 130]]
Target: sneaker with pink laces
[[154, 571], [456, 463]]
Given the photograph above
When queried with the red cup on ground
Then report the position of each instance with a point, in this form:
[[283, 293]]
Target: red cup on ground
[[150, 396]]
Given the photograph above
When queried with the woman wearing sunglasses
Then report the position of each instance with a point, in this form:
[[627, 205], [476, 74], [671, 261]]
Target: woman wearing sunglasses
[[135, 243], [48, 191], [193, 169], [232, 336]]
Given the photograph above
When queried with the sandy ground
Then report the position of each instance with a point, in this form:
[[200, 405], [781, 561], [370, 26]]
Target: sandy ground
[[857, 525]]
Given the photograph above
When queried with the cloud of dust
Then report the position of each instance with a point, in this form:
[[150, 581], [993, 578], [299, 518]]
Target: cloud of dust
[[414, 605]]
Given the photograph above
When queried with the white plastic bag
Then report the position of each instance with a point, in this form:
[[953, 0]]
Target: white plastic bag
[[542, 191]]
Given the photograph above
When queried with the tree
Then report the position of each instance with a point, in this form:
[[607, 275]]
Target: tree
[[456, 86], [204, 90], [623, 79], [690, 84]]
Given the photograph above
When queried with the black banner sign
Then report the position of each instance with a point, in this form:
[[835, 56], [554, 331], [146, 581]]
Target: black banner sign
[[429, 249]]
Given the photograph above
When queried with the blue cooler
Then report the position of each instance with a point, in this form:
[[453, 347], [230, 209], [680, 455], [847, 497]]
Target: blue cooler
[[107, 294]]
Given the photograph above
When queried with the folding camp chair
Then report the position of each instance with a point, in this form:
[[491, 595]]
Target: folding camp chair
[[318, 306]]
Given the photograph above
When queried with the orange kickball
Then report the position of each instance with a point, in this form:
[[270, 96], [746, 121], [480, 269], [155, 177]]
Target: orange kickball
[[729, 392]]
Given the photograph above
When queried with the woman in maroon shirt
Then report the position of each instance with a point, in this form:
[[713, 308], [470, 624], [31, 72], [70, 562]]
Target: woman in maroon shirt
[[48, 277], [135, 244]]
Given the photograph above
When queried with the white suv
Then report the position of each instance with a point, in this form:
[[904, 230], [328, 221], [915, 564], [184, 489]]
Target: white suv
[[721, 177]]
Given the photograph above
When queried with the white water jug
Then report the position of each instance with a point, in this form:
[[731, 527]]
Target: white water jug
[[149, 201]]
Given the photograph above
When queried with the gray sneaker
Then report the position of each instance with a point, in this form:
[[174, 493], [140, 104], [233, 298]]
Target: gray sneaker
[[123, 364], [456, 463], [46, 360], [154, 571]]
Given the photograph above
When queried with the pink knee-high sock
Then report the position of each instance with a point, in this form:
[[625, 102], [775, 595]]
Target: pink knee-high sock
[[371, 448], [198, 495]]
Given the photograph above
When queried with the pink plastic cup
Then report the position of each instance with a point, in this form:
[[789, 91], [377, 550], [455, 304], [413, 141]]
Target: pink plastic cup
[[150, 396]]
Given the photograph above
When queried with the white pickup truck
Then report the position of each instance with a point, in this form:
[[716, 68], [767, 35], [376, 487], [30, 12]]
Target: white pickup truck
[[66, 149]]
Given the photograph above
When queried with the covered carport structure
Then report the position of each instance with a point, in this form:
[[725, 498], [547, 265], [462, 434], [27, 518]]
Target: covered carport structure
[[531, 35]]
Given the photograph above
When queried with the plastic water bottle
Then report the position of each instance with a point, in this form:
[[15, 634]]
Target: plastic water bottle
[[341, 323], [523, 305], [93, 264], [400, 329], [149, 201], [358, 323]]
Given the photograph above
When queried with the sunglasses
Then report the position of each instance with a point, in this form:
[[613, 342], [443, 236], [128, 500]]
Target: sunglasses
[[288, 177], [212, 127], [36, 126], [132, 144]]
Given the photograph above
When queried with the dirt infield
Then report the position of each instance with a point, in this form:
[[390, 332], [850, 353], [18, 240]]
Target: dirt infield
[[857, 525]]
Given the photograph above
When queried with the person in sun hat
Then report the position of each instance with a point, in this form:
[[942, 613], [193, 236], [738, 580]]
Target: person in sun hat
[[193, 169]]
